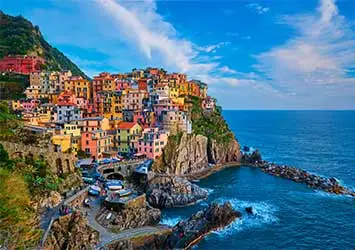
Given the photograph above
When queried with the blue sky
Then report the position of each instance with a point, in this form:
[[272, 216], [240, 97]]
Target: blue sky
[[290, 54]]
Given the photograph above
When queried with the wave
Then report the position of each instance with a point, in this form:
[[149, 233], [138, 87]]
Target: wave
[[264, 213], [170, 221], [209, 190]]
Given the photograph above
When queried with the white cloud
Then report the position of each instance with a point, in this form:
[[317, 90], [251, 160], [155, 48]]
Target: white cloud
[[322, 52], [213, 47], [226, 69], [142, 26], [258, 8]]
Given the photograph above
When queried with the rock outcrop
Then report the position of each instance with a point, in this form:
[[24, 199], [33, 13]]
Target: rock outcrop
[[252, 158], [71, 232], [190, 154], [183, 155], [47, 200], [130, 217], [168, 191], [219, 153], [330, 185], [186, 233]]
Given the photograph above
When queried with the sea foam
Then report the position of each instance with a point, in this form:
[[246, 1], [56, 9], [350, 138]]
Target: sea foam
[[264, 213], [170, 221]]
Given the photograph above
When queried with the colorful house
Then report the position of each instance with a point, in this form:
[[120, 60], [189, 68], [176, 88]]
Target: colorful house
[[152, 142], [67, 139], [21, 64], [133, 99], [128, 134], [79, 86], [67, 112], [95, 143]]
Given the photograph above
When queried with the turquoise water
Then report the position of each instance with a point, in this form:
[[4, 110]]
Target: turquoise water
[[289, 215]]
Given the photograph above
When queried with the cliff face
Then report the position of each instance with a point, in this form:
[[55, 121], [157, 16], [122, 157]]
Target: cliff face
[[183, 155], [71, 232], [192, 153], [219, 153]]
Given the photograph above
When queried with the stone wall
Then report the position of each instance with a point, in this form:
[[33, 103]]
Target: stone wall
[[59, 163], [125, 168], [78, 198], [137, 202]]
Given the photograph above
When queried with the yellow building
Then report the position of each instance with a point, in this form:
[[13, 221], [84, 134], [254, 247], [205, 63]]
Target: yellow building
[[68, 139], [111, 105], [33, 92], [183, 88], [36, 118], [79, 86]]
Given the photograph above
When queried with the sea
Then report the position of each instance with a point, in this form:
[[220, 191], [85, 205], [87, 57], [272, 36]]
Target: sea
[[288, 215]]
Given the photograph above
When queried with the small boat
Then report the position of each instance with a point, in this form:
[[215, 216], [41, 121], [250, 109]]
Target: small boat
[[114, 185], [124, 192], [94, 190]]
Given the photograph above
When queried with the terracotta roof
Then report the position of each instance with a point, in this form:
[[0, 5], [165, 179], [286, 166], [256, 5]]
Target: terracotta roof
[[126, 125]]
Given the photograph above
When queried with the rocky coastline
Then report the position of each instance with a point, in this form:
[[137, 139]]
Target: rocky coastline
[[329, 185], [172, 191], [187, 232]]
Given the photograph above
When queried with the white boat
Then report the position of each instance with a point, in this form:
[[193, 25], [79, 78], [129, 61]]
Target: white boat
[[114, 185]]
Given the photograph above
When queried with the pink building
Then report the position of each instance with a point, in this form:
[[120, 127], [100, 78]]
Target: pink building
[[28, 105], [165, 105], [133, 99], [152, 142]]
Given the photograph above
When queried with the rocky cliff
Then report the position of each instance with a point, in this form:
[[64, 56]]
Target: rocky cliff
[[71, 232], [183, 155], [168, 191], [219, 153], [189, 154]]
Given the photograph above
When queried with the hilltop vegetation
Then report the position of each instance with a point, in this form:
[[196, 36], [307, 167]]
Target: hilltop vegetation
[[210, 124], [19, 36]]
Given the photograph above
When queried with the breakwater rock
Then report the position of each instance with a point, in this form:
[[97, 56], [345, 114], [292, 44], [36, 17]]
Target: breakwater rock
[[172, 191], [330, 185]]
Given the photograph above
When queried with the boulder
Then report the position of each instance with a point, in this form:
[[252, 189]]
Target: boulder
[[169, 191]]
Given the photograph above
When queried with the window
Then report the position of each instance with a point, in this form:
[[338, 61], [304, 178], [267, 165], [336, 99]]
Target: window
[[87, 142]]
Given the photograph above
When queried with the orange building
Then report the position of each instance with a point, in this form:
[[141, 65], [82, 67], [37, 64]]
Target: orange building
[[79, 86]]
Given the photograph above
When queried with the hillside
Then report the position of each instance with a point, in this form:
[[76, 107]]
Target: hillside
[[19, 36]]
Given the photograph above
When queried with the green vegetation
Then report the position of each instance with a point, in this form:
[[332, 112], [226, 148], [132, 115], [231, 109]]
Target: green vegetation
[[12, 86], [22, 181], [210, 124], [176, 137], [18, 220], [8, 121], [19, 36]]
